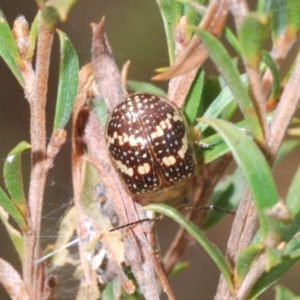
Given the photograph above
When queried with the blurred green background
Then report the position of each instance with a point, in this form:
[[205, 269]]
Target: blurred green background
[[135, 32]]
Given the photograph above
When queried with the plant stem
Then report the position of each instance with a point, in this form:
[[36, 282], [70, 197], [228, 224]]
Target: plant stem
[[285, 110], [38, 162]]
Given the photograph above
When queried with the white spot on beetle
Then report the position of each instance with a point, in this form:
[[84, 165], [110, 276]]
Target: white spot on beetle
[[144, 169], [159, 132], [123, 168], [184, 147], [169, 160]]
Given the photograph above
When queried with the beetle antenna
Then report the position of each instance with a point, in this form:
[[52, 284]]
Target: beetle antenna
[[210, 207], [137, 222]]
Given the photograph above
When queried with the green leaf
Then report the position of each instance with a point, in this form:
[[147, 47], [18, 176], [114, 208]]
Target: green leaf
[[292, 199], [62, 7], [252, 35], [199, 236], [228, 70], [14, 234], [274, 258], [68, 82], [211, 90], [253, 165], [49, 17], [232, 40], [221, 102], [227, 195], [245, 260], [293, 16], [211, 148], [267, 59], [13, 179], [269, 278], [32, 37], [179, 267], [193, 100], [171, 12], [215, 145], [12, 210], [192, 16], [140, 86], [108, 292], [279, 15], [282, 293], [8, 49]]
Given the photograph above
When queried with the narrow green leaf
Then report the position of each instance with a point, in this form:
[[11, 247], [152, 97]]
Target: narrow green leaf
[[32, 36], [230, 73], [232, 40], [253, 165], [267, 59], [11, 209], [179, 267], [263, 5], [279, 17], [292, 199], [211, 148], [274, 258], [245, 260], [193, 100], [282, 293], [280, 222], [221, 102], [199, 236], [211, 90], [14, 234], [108, 292], [229, 111], [293, 254], [49, 17], [8, 49], [13, 179], [227, 195], [140, 86], [192, 16], [68, 82], [293, 16], [171, 12], [62, 7], [252, 35], [215, 145], [269, 278]]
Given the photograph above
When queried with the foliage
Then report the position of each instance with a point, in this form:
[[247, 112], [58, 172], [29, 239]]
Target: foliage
[[248, 118]]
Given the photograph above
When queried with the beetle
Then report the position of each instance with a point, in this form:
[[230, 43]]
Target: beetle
[[149, 144]]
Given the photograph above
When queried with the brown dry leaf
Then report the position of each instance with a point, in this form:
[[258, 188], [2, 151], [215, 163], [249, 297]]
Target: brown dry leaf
[[12, 282], [139, 250], [105, 69], [88, 134], [133, 246], [92, 223]]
